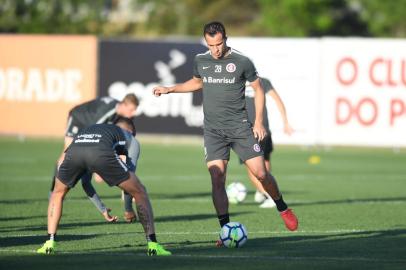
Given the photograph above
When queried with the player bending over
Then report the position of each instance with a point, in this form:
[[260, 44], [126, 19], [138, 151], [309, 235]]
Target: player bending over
[[102, 110], [101, 149]]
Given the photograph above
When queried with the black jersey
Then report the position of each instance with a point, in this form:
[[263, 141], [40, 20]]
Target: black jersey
[[96, 149], [97, 111], [103, 137], [223, 88]]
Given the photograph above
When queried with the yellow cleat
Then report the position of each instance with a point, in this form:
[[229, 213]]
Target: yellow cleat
[[155, 249], [48, 248]]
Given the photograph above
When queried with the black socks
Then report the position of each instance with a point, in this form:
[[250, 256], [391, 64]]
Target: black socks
[[224, 219], [280, 204], [152, 238]]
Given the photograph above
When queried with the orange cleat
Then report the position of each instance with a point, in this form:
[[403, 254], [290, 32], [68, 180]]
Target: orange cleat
[[290, 219]]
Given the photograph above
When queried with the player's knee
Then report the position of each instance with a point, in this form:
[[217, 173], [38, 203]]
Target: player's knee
[[58, 194], [217, 175], [261, 175], [139, 188]]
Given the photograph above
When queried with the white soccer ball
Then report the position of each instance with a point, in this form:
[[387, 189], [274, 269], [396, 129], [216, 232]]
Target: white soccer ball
[[233, 235], [236, 192]]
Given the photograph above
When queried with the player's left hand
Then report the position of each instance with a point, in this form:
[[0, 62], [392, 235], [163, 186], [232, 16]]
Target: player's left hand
[[288, 129], [259, 132], [108, 217]]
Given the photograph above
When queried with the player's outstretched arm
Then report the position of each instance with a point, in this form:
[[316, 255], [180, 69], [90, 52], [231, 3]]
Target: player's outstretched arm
[[282, 110], [191, 85]]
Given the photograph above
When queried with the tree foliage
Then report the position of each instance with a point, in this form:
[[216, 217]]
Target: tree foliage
[[385, 18], [308, 18], [141, 18], [51, 16]]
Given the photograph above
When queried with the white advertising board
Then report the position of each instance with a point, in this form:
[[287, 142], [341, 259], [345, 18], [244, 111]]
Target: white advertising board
[[363, 92]]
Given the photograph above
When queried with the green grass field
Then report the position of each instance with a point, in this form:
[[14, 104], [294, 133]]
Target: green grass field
[[351, 206]]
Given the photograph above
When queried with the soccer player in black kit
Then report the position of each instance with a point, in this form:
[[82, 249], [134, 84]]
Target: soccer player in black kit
[[102, 110], [101, 149]]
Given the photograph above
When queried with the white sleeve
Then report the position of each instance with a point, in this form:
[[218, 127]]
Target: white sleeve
[[134, 150]]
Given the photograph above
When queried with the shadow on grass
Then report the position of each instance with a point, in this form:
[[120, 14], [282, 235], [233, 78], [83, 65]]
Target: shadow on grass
[[194, 217], [351, 201], [37, 200], [14, 241], [115, 196], [355, 250], [62, 225], [20, 218], [175, 196], [166, 196], [73, 225], [382, 249], [201, 195]]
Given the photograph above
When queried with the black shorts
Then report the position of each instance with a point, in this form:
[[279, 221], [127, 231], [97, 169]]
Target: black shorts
[[81, 159], [266, 146], [218, 142]]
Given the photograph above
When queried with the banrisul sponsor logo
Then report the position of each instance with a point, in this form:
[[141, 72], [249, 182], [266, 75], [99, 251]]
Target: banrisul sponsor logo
[[219, 80]]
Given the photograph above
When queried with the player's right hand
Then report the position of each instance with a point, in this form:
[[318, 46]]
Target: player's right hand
[[159, 90]]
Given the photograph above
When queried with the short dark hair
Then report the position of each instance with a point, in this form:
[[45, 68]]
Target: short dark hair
[[131, 98], [126, 121], [213, 28]]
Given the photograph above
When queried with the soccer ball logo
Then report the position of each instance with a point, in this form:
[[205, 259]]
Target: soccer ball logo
[[236, 192], [233, 235]]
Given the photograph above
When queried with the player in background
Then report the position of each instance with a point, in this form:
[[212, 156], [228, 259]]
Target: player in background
[[222, 73], [98, 111], [91, 151], [261, 196]]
